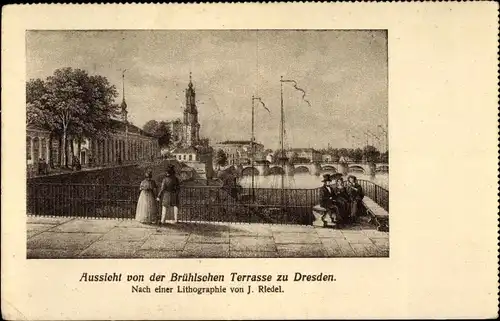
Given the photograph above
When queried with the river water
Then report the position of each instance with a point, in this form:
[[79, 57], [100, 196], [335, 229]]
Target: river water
[[305, 180]]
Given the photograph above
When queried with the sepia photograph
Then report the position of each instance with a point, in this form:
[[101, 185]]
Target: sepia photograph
[[216, 161], [207, 144]]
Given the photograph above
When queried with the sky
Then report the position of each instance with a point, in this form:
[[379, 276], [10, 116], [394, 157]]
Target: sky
[[343, 72]]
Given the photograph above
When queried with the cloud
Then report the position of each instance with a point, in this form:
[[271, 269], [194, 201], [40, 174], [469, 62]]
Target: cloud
[[343, 72]]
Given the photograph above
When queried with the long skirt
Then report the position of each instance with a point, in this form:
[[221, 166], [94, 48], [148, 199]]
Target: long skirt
[[147, 208], [342, 206], [355, 207]]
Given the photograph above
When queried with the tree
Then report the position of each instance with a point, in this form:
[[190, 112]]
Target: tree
[[371, 154], [150, 127], [71, 103], [159, 130], [357, 155], [294, 158], [384, 157], [163, 134], [221, 158]]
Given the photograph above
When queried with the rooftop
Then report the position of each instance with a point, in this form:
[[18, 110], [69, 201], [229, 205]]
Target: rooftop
[[237, 142]]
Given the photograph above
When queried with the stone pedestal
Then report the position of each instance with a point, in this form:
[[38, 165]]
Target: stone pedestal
[[316, 169], [343, 168], [371, 169], [321, 217]]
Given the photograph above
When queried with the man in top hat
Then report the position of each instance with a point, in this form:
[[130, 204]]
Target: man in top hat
[[169, 195], [327, 197]]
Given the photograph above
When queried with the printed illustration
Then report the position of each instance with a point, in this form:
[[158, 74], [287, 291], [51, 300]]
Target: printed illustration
[[207, 144]]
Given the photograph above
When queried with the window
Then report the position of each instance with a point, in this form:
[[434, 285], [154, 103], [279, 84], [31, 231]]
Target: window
[[184, 157], [190, 157]]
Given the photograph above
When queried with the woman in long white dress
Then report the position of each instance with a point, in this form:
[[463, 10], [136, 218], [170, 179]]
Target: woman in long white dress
[[147, 208]]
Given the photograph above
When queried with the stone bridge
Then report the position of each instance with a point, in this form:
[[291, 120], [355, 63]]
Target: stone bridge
[[314, 168]]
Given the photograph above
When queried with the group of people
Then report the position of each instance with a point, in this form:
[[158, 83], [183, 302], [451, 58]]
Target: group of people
[[342, 199], [147, 210]]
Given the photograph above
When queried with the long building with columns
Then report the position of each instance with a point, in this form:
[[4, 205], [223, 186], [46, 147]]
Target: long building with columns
[[126, 143]]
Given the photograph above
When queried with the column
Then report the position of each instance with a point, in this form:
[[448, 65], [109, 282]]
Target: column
[[113, 150], [40, 148], [47, 152], [106, 151], [101, 151], [122, 143], [32, 150]]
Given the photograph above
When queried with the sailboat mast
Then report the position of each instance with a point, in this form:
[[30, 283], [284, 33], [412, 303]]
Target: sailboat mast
[[252, 147], [282, 135]]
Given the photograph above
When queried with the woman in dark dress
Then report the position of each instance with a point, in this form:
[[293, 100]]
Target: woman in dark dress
[[356, 195], [341, 198], [147, 210], [169, 195]]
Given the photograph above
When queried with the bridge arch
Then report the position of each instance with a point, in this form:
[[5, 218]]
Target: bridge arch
[[356, 169], [247, 171], [329, 168], [276, 170], [302, 169]]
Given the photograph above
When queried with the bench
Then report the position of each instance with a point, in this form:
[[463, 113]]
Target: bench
[[380, 215], [321, 219]]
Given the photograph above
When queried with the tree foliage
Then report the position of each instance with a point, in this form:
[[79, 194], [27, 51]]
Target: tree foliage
[[160, 130], [150, 127], [70, 103], [371, 154], [70, 100], [221, 158]]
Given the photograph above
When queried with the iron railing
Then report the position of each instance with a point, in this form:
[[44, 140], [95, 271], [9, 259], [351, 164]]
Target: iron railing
[[377, 193], [197, 203]]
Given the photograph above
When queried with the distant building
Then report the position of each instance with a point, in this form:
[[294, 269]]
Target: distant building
[[345, 159], [185, 154], [240, 151], [326, 158], [309, 154]]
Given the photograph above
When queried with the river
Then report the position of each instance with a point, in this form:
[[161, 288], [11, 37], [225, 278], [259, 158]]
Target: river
[[305, 180]]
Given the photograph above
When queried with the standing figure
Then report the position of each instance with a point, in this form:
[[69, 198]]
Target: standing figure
[[147, 209], [342, 199], [356, 195], [169, 195]]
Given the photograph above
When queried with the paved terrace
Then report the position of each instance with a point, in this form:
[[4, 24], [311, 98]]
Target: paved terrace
[[62, 238]]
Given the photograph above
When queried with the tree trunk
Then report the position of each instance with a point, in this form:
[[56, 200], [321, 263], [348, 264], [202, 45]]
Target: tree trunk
[[59, 154], [64, 154], [50, 161]]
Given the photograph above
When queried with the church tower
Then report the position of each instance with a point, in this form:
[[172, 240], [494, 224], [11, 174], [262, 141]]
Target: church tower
[[191, 125]]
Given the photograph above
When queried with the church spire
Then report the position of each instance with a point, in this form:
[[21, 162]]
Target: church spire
[[123, 104]]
